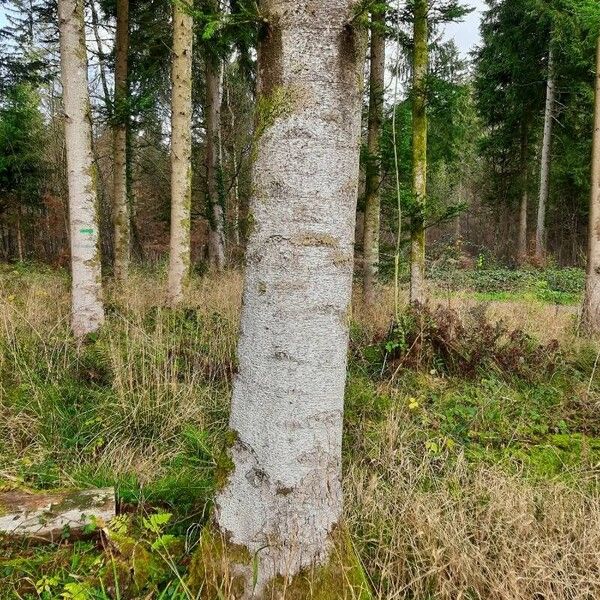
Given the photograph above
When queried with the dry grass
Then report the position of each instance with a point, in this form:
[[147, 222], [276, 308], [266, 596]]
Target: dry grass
[[431, 530], [166, 370], [544, 321], [425, 527]]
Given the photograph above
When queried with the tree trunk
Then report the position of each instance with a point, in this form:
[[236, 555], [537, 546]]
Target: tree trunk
[[101, 56], [87, 308], [540, 236], [20, 253], [283, 497], [181, 153], [522, 248], [235, 182], [419, 151], [121, 117], [214, 83], [373, 170], [591, 307]]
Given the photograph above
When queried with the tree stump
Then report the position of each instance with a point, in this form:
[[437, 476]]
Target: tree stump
[[47, 515]]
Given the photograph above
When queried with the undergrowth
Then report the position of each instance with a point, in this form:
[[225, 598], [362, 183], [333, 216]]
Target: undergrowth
[[470, 451]]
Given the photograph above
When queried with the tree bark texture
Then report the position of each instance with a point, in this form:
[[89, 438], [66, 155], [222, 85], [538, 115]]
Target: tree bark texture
[[283, 497]]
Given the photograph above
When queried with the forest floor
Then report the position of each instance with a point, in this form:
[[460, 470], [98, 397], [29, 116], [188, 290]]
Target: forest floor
[[471, 451]]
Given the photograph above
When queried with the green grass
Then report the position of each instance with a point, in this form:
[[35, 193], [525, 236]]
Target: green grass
[[550, 286]]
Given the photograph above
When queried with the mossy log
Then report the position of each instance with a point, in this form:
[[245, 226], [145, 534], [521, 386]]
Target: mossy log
[[47, 515]]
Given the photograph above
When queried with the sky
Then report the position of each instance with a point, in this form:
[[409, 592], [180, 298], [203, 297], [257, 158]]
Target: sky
[[466, 33]]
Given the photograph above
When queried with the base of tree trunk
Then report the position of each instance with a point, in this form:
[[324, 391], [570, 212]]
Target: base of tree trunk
[[220, 569], [46, 515]]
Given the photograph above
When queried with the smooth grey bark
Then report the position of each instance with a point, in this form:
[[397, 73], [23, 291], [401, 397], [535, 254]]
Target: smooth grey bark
[[120, 213], [283, 498], [372, 216], [214, 88], [181, 153], [87, 308], [540, 236], [591, 307]]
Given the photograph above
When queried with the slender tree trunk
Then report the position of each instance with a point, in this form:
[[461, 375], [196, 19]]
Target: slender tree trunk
[[181, 153], [283, 498], [235, 184], [591, 306], [87, 308], [373, 170], [214, 83], [523, 209], [20, 253], [101, 56], [120, 215], [540, 237], [419, 151]]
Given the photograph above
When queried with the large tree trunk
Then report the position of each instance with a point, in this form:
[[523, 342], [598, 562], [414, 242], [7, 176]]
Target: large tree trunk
[[591, 307], [181, 153], [87, 308], [121, 116], [283, 498], [373, 170], [419, 151], [523, 209], [214, 87], [540, 236]]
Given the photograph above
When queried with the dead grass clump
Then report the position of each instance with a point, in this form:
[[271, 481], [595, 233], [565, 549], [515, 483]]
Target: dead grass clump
[[439, 339], [452, 531]]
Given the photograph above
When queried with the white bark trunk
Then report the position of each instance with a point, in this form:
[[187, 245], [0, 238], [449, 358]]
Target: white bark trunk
[[214, 85], [120, 206], [283, 498], [181, 153], [540, 237], [591, 309], [87, 309]]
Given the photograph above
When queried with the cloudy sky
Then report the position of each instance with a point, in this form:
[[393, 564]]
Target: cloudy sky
[[466, 33]]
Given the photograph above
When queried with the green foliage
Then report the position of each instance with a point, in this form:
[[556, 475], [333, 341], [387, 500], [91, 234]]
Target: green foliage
[[452, 138], [552, 286], [138, 558], [21, 148]]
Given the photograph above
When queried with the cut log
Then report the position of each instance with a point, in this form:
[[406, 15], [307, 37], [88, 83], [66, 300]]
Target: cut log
[[47, 515]]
